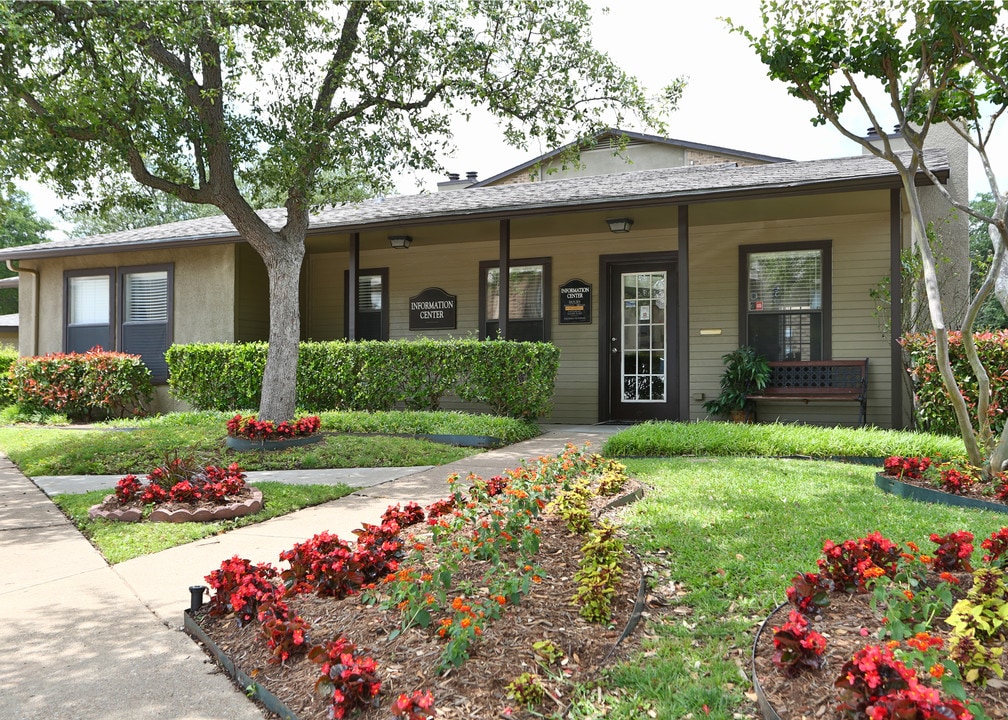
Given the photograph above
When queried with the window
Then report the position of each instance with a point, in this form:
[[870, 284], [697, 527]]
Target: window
[[785, 303], [372, 304], [145, 329], [88, 311], [141, 299], [528, 299]]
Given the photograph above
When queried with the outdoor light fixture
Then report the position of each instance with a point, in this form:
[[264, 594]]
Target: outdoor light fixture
[[400, 242], [619, 225]]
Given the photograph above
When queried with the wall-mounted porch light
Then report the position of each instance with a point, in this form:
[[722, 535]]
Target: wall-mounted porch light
[[400, 242], [619, 225]]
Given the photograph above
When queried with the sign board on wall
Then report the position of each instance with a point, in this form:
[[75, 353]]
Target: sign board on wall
[[432, 309], [575, 302]]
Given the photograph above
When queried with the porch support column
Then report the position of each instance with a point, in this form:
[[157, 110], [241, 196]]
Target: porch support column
[[896, 373], [682, 319], [505, 277], [352, 285]]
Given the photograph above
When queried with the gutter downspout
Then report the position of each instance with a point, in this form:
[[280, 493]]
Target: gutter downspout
[[35, 305]]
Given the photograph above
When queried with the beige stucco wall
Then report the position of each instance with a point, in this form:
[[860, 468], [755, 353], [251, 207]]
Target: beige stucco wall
[[203, 291]]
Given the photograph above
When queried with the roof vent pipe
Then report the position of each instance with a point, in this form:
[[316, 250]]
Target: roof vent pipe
[[471, 175], [453, 176]]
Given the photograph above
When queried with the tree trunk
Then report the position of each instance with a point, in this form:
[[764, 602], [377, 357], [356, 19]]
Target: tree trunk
[[279, 389]]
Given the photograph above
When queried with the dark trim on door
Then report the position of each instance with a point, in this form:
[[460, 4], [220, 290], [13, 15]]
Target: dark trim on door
[[897, 377], [683, 326], [604, 329]]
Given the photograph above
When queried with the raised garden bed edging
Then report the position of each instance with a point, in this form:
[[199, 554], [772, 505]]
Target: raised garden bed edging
[[244, 444], [908, 491], [252, 504], [251, 687], [766, 709]]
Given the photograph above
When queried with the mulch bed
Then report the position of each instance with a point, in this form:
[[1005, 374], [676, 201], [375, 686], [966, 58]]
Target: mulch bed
[[477, 689], [811, 694]]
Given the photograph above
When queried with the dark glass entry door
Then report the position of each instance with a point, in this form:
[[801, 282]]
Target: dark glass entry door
[[639, 346]]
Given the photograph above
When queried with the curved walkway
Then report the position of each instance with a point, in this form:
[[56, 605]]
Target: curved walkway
[[89, 641]]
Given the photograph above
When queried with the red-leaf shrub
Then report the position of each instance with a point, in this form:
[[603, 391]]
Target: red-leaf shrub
[[795, 646], [418, 706], [934, 409], [83, 386]]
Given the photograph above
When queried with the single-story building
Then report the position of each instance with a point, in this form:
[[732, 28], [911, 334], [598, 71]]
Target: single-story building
[[643, 278]]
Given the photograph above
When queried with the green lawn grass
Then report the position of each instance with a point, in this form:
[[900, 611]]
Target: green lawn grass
[[730, 533], [119, 541], [352, 440]]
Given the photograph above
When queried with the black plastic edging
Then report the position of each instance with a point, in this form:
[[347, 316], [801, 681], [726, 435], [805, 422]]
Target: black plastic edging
[[635, 616], [254, 689], [768, 711]]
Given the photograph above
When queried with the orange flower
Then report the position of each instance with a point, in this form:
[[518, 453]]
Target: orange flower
[[873, 572], [466, 622], [937, 671], [909, 595]]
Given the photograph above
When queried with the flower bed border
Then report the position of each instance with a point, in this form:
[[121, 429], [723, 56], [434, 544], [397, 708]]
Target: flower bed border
[[251, 688], [244, 444], [159, 514], [766, 709], [907, 491]]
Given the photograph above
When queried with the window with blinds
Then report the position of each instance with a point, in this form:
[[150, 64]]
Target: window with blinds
[[528, 301], [145, 320], [88, 311], [785, 299]]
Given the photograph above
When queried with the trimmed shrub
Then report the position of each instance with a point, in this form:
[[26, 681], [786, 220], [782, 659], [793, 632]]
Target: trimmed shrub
[[90, 385], [512, 378], [934, 409], [217, 376], [8, 356]]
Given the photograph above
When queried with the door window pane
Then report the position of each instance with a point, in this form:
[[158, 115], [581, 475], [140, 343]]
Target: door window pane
[[643, 366]]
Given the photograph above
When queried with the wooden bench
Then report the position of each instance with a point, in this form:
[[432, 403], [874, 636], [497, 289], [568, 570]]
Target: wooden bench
[[809, 380]]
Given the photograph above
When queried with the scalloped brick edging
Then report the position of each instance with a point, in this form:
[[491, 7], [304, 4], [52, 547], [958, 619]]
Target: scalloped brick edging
[[220, 512]]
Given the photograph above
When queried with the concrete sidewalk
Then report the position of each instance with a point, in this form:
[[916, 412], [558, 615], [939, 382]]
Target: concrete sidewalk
[[89, 641]]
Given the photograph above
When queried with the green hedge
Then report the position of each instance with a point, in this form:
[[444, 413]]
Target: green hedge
[[8, 356], [934, 409], [514, 379], [91, 385]]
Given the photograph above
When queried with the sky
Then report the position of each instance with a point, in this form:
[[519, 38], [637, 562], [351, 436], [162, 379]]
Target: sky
[[729, 101]]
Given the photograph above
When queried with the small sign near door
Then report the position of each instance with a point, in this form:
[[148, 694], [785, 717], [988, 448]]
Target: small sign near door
[[575, 302]]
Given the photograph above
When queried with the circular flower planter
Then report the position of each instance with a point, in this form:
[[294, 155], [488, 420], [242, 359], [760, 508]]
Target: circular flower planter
[[250, 505], [891, 485], [245, 445]]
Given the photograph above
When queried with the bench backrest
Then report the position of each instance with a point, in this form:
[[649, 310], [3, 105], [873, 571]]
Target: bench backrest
[[818, 376]]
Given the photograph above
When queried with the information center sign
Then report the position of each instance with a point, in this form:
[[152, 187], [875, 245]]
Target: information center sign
[[432, 309], [575, 302]]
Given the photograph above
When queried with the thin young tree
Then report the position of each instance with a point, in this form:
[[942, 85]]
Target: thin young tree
[[933, 62], [201, 100]]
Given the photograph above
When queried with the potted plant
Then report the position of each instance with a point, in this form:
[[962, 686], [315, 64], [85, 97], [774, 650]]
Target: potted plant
[[745, 372]]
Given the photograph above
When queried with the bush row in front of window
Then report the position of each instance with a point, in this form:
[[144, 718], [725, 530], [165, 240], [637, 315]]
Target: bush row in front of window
[[8, 355], [82, 386], [511, 378], [933, 407]]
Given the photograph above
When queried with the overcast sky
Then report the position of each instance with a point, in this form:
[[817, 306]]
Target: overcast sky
[[728, 102]]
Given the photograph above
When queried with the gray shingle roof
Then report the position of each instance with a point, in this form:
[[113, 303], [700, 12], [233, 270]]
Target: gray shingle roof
[[699, 183]]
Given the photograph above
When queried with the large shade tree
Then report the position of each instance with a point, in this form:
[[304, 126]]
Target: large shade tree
[[918, 63], [20, 224], [202, 99]]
